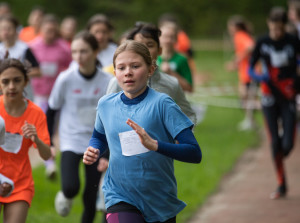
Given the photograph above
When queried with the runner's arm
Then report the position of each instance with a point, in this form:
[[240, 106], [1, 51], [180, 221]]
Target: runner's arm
[[98, 141], [51, 114], [188, 149]]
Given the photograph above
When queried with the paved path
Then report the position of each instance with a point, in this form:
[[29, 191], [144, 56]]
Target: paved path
[[243, 196]]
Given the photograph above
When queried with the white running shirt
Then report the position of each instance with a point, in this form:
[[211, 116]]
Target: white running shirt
[[77, 99]]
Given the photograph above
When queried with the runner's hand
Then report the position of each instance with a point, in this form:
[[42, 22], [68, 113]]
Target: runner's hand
[[165, 67], [29, 131], [90, 155], [102, 165], [5, 188], [146, 140]]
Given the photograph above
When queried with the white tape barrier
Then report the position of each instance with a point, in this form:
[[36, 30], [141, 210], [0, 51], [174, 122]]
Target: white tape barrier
[[214, 96], [216, 91]]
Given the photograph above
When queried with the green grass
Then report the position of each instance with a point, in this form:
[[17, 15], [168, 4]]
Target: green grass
[[42, 210], [218, 138], [211, 63]]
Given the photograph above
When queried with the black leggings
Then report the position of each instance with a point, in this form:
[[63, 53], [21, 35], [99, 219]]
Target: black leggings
[[71, 183], [281, 143]]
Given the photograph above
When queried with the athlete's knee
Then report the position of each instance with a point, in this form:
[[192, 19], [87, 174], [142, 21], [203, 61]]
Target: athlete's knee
[[287, 146], [70, 190]]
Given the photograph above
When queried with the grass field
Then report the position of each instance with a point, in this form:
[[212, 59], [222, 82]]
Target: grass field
[[219, 140]]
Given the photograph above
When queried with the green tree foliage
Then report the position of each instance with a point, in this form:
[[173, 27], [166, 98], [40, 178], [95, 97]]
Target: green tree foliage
[[200, 18]]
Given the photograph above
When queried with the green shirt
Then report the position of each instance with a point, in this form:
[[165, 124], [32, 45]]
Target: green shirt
[[179, 64]]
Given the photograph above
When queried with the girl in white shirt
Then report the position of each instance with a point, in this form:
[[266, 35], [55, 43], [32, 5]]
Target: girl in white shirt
[[76, 93]]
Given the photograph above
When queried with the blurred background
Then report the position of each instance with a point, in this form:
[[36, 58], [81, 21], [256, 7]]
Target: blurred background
[[215, 97], [199, 18]]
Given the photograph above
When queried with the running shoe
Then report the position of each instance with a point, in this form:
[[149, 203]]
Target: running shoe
[[51, 170], [246, 125], [62, 204], [279, 193]]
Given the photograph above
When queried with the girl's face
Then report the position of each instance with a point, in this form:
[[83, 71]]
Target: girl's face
[[101, 33], [68, 29], [276, 30], [7, 31], [168, 37], [132, 73], [82, 53], [150, 43], [292, 14], [231, 28], [49, 32], [35, 18], [12, 83]]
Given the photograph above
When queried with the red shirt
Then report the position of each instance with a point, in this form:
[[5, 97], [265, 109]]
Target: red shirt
[[242, 43], [27, 34]]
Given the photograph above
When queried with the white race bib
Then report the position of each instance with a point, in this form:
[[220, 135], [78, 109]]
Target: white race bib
[[131, 144], [49, 69], [13, 143], [279, 59]]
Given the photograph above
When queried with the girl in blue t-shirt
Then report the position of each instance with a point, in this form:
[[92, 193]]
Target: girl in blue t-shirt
[[140, 127]]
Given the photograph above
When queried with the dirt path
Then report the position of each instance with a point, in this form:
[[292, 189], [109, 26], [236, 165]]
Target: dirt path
[[243, 196]]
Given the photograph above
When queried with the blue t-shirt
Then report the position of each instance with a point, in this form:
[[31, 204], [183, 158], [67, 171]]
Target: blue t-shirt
[[147, 180]]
